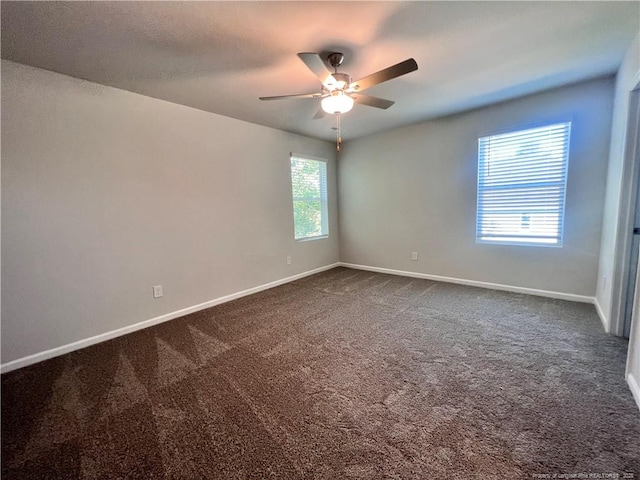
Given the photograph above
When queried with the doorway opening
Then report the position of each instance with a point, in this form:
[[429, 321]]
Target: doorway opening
[[633, 146]]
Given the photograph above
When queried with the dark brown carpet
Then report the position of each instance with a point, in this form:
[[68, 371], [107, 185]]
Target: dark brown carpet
[[345, 374]]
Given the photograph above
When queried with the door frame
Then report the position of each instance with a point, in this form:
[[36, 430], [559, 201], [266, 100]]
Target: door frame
[[626, 214]]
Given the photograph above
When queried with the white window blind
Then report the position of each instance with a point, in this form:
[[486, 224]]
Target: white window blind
[[309, 189], [522, 180]]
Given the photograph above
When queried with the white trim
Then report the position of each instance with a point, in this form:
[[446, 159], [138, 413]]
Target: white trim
[[309, 239], [626, 212], [634, 387], [474, 283], [603, 317], [70, 347]]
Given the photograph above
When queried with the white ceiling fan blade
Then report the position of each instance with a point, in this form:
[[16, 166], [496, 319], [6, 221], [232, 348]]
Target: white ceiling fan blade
[[319, 69]]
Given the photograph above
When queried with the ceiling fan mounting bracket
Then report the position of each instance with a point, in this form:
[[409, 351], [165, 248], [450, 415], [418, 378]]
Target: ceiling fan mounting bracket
[[335, 59]]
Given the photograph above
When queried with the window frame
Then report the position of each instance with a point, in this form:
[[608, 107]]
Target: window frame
[[323, 197], [562, 124]]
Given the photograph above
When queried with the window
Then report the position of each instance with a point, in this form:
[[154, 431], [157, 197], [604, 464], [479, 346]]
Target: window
[[309, 189], [522, 180]]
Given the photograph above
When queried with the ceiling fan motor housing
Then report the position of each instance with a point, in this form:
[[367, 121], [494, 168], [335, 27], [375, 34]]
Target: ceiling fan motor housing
[[342, 81]]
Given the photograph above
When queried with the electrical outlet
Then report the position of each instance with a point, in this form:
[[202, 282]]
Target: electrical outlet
[[288, 260], [414, 256], [157, 291]]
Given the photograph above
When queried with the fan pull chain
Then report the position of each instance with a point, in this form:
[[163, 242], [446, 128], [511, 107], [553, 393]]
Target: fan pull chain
[[338, 133]]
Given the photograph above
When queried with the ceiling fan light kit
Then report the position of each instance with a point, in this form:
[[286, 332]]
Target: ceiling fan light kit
[[337, 102], [337, 88]]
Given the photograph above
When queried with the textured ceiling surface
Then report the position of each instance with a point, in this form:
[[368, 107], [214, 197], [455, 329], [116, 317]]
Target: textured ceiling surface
[[221, 56]]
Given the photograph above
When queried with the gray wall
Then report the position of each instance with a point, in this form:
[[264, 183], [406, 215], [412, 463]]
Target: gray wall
[[106, 193], [414, 189], [618, 196]]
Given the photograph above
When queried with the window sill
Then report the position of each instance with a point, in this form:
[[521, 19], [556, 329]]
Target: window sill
[[309, 239], [520, 244]]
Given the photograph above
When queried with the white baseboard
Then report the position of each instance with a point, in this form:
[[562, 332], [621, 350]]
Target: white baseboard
[[635, 388], [57, 351], [474, 283], [70, 347], [603, 317]]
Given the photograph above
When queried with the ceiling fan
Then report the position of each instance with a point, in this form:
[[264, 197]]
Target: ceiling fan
[[338, 92]]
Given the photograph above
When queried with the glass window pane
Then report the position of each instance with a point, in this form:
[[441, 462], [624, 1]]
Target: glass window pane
[[522, 178], [309, 190]]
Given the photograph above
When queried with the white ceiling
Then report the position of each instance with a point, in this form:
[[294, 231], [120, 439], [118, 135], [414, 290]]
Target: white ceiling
[[221, 56]]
